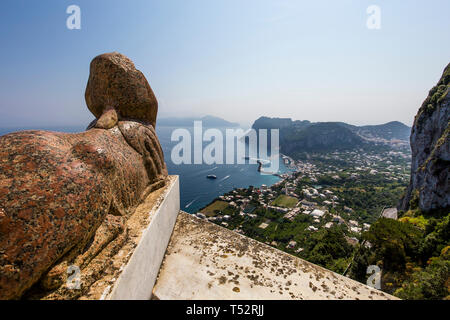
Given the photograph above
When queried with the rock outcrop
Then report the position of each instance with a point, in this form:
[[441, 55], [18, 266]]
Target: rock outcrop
[[64, 197], [429, 188]]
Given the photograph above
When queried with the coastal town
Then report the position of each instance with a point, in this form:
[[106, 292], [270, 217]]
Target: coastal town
[[339, 192]]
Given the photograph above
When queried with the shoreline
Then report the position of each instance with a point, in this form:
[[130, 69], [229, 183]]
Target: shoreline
[[278, 175]]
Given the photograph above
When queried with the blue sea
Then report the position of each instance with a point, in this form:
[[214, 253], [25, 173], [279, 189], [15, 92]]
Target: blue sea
[[196, 190]]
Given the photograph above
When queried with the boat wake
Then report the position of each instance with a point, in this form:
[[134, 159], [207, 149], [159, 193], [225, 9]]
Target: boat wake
[[206, 170], [224, 178], [189, 204]]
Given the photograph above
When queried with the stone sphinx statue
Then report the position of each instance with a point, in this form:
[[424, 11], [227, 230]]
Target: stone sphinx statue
[[64, 196]]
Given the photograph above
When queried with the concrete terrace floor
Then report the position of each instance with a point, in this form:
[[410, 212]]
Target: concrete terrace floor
[[206, 261]]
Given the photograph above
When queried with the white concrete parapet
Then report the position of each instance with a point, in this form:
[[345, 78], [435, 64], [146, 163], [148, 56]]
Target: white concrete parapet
[[139, 274]]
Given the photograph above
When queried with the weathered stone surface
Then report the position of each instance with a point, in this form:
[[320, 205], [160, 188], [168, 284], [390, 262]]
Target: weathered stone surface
[[64, 197], [108, 119], [429, 187], [205, 261], [115, 82]]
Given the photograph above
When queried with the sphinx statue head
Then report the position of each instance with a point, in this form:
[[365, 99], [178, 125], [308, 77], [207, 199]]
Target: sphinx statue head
[[64, 197], [115, 84]]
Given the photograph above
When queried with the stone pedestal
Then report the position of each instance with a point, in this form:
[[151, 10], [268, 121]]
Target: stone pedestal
[[139, 274]]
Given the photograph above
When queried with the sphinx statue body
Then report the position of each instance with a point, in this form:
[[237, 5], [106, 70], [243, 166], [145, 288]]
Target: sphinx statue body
[[57, 190]]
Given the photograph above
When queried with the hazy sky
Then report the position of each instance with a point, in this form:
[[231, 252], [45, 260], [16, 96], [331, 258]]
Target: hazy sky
[[237, 59]]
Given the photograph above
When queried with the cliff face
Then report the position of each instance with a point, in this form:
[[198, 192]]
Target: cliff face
[[430, 146], [324, 136]]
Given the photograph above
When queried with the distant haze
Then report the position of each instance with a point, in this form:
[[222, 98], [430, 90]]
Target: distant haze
[[234, 59]]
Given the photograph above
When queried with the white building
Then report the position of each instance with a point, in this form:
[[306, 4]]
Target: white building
[[328, 225], [291, 244], [263, 225], [317, 213], [200, 215], [355, 229]]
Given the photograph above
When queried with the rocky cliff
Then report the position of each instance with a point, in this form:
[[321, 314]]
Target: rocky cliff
[[323, 136], [429, 186]]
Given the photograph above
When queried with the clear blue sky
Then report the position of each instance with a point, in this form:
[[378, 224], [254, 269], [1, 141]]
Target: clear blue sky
[[237, 59]]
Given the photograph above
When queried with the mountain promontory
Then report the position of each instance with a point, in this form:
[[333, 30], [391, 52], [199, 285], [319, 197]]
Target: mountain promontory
[[305, 136]]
